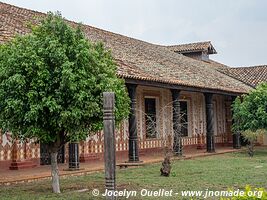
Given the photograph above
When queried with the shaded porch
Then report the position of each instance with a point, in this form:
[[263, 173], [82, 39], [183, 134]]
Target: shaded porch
[[208, 118], [209, 126]]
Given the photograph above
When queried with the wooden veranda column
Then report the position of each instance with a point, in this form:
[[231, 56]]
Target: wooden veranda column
[[133, 140], [236, 135], [177, 137], [74, 159], [209, 122], [109, 143]]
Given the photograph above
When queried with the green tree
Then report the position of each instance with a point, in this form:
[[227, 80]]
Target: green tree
[[51, 85], [250, 114]]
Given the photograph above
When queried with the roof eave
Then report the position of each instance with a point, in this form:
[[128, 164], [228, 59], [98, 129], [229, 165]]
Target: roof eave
[[154, 83]]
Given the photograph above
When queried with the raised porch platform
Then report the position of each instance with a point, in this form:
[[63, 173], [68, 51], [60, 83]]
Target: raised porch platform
[[8, 177]]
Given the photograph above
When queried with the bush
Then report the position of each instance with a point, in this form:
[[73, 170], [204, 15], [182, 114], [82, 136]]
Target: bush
[[256, 194], [251, 137]]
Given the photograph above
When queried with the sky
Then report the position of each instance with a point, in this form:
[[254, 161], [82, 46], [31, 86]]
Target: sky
[[236, 28]]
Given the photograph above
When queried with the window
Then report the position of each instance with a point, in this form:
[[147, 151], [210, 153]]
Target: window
[[150, 117], [184, 118]]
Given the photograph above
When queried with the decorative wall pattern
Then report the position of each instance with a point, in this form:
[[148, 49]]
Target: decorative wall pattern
[[220, 112], [6, 146], [94, 143], [163, 114], [25, 150]]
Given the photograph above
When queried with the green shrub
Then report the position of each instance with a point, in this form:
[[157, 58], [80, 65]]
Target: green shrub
[[249, 194], [251, 137]]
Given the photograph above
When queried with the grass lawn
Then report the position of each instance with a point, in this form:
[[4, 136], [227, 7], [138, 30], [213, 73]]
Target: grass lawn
[[220, 172]]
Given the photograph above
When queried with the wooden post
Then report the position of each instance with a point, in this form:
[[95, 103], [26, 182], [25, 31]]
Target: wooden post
[[133, 139], [210, 123], [74, 160], [177, 137], [109, 142]]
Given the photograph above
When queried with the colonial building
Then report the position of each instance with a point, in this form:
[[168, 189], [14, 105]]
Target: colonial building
[[173, 89]]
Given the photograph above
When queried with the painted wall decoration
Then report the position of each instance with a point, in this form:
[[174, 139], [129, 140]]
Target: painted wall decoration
[[93, 145]]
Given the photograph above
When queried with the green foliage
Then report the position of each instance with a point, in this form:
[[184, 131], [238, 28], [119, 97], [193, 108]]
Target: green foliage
[[250, 115], [51, 83], [250, 111], [249, 194], [251, 136]]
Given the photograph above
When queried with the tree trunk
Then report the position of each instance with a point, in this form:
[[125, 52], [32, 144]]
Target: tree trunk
[[251, 149], [54, 173]]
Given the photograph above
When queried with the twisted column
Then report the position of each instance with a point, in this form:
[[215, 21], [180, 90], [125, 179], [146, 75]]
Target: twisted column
[[133, 139], [177, 137], [209, 122]]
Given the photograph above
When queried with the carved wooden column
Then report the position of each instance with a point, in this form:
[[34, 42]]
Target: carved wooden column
[[236, 135], [209, 122], [177, 137], [109, 143], [74, 160], [133, 139]]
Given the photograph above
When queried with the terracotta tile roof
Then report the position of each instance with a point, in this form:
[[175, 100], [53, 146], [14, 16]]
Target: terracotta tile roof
[[215, 64], [136, 59], [193, 47], [252, 76]]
